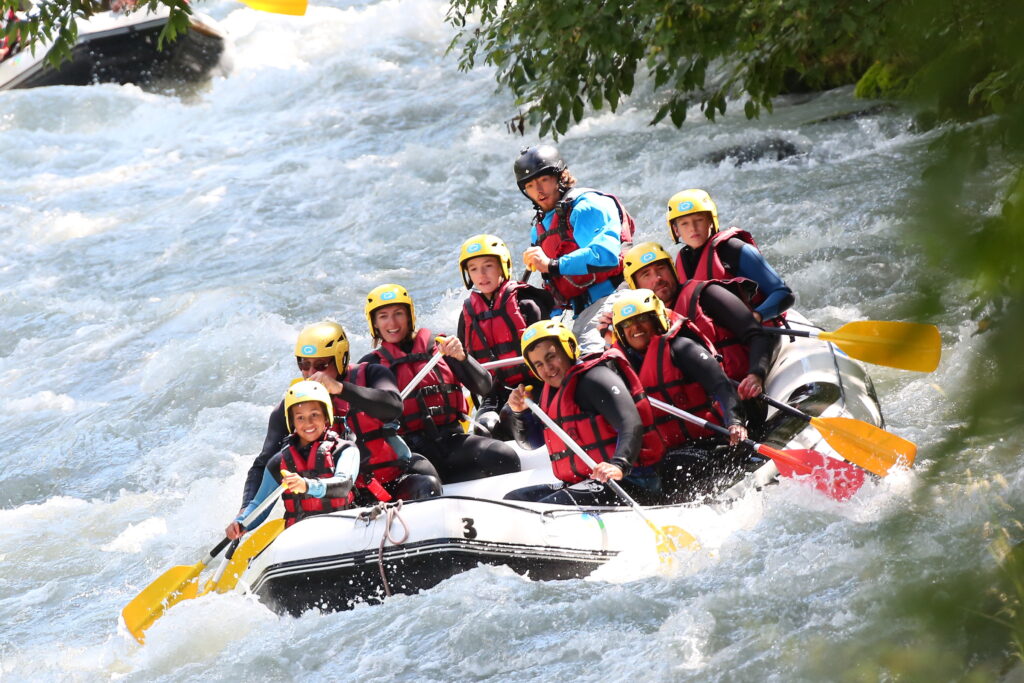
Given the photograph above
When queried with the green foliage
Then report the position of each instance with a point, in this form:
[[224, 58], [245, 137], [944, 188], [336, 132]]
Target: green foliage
[[53, 24], [949, 54], [550, 56]]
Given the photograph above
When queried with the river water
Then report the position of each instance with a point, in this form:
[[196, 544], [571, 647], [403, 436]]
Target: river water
[[161, 252]]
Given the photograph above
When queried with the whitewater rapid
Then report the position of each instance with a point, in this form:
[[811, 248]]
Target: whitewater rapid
[[160, 253]]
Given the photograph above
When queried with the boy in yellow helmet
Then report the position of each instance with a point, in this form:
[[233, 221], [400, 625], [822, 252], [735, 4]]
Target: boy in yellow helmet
[[493, 318], [597, 398], [711, 254]]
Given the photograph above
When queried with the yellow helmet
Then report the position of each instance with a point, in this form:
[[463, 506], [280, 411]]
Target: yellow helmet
[[690, 201], [304, 391], [551, 330], [325, 338], [635, 303], [484, 245], [640, 256], [386, 295]]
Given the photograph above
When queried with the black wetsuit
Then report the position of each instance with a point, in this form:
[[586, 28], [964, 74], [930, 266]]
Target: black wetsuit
[[379, 399], [458, 456], [684, 469], [535, 305], [755, 268], [600, 391], [728, 311]]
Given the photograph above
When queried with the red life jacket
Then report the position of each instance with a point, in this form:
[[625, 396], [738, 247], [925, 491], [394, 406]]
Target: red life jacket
[[341, 409], [319, 464], [711, 267], [592, 431], [664, 380], [493, 333], [438, 400], [735, 355], [557, 240], [378, 460]]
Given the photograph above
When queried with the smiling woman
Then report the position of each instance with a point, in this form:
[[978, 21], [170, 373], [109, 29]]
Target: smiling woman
[[434, 403]]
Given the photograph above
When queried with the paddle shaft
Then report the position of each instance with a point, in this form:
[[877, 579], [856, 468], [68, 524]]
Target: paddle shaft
[[693, 419], [571, 443], [503, 363], [249, 519], [418, 377]]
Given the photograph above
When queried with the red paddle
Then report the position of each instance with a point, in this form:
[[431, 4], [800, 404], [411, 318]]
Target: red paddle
[[835, 478]]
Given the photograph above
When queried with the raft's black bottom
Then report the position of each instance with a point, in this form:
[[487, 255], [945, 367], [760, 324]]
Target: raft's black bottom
[[130, 55], [342, 581]]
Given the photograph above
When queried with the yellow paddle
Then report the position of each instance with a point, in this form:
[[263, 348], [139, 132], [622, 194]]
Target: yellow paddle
[[909, 346], [255, 543], [862, 443], [670, 539], [178, 583], [293, 7]]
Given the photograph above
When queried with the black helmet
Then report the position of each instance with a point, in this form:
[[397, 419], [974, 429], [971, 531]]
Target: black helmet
[[537, 161]]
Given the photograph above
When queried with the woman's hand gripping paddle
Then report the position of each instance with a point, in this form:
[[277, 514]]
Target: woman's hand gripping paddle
[[178, 583], [670, 539], [834, 478], [908, 346]]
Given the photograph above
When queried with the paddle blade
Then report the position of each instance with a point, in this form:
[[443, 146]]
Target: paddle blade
[[836, 479], [909, 346], [293, 7], [255, 544], [866, 445], [174, 585], [669, 541]]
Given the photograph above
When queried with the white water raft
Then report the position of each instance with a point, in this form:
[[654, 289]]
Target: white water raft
[[336, 560]]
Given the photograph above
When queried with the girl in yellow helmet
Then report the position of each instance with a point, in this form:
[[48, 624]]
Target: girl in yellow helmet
[[317, 465]]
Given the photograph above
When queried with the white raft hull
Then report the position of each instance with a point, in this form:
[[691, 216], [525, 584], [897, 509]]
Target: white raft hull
[[337, 560]]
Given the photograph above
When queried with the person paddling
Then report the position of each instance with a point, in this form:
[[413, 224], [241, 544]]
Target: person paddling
[[363, 398], [432, 410], [318, 466], [577, 238], [598, 400], [674, 366], [494, 316], [708, 254], [718, 313]]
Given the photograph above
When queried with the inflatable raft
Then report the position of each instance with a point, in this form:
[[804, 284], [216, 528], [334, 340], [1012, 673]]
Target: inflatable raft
[[334, 561], [122, 48]]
